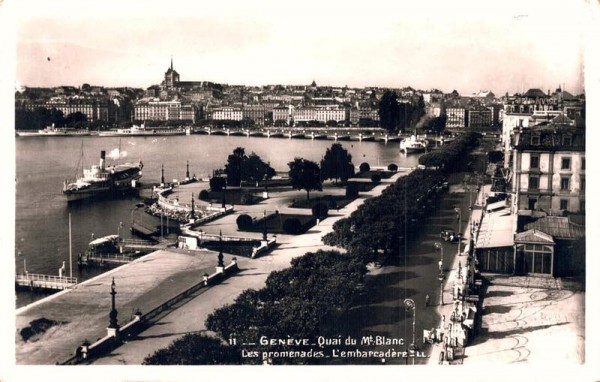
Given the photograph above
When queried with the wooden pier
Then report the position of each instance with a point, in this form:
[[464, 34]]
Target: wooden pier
[[39, 281], [129, 250]]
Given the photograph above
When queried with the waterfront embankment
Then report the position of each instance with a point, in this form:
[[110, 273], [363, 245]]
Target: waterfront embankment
[[147, 282]]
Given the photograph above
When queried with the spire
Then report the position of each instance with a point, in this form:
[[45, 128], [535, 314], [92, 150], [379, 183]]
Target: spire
[[171, 62]]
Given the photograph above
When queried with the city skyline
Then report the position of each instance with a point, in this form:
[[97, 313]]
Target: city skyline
[[504, 48]]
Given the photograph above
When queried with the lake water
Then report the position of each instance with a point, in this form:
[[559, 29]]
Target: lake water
[[42, 164]]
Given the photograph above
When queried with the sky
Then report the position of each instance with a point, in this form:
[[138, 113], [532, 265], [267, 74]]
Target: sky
[[465, 45]]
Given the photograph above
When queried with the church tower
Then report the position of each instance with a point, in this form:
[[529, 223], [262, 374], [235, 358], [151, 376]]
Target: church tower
[[171, 77]]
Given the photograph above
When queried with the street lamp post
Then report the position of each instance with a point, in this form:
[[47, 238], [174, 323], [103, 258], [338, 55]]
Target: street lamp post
[[441, 278], [441, 274], [410, 304], [441, 248], [459, 233]]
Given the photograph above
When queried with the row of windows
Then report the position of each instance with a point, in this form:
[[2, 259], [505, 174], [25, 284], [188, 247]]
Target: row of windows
[[563, 204], [565, 162], [566, 140], [565, 183]]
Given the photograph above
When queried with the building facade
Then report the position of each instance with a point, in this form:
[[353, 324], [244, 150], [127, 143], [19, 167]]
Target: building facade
[[94, 109], [549, 170], [163, 111], [227, 114], [456, 117]]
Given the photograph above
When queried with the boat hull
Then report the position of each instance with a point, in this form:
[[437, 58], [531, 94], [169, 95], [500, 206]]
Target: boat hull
[[98, 193], [413, 150]]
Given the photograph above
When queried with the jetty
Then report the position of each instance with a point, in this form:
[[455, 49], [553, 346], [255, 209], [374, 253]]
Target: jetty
[[40, 281]]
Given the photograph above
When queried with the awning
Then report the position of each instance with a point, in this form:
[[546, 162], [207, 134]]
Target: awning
[[533, 236], [496, 230], [496, 206]]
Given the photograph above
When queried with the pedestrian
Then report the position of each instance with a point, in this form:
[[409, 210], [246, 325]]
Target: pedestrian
[[427, 300]]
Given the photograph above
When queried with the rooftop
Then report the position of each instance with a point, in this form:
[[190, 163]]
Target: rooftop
[[558, 227], [497, 229]]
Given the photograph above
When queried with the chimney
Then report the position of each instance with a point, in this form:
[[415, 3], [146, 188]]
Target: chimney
[[102, 159]]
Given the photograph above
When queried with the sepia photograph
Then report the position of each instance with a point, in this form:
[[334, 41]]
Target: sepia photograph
[[386, 184]]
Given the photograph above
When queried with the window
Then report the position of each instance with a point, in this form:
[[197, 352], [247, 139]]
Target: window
[[535, 140], [583, 163], [531, 203], [567, 140], [582, 205], [534, 161], [565, 183], [564, 204], [534, 182], [582, 183], [565, 164]]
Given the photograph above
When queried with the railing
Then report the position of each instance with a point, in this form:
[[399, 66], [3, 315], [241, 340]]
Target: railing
[[111, 341], [45, 281]]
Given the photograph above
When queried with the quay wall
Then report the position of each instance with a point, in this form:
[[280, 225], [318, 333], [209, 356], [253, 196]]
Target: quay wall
[[140, 322]]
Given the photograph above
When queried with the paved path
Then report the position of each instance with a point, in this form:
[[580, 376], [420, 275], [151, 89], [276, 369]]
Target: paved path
[[525, 319], [191, 316], [83, 311]]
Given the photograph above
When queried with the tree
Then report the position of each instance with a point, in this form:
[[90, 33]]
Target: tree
[[241, 167], [216, 183], [76, 118], [437, 124], [196, 349], [254, 169], [305, 175], [335, 163], [233, 168], [244, 222], [389, 111]]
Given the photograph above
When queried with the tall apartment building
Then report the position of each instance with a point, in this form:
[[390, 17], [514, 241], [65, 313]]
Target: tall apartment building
[[304, 114], [332, 113], [256, 113], [94, 109], [163, 111], [227, 114], [478, 116], [456, 117], [549, 169]]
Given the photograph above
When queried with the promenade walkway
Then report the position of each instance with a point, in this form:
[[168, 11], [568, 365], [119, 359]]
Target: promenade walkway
[[526, 319], [253, 274], [82, 312]]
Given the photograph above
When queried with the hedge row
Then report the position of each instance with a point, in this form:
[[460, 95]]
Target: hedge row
[[380, 222], [449, 156]]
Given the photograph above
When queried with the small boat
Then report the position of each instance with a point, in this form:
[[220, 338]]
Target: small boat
[[414, 144]]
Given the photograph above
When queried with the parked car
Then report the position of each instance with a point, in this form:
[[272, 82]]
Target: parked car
[[450, 235]]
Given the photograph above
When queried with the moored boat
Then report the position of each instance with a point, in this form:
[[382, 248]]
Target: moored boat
[[413, 144], [143, 131], [102, 180]]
